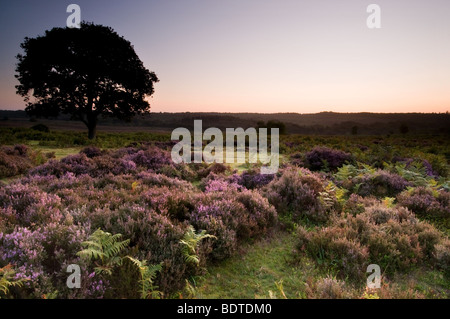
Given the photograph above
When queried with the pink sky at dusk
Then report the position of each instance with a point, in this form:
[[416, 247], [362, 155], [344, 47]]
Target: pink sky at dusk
[[265, 56]]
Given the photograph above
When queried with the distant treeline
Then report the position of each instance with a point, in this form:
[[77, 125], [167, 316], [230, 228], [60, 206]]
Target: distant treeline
[[325, 123]]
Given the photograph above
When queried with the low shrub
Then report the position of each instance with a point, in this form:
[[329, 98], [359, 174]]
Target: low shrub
[[390, 237], [426, 202], [41, 256], [356, 204], [203, 169], [91, 151], [150, 158], [379, 184], [252, 179], [324, 158], [329, 246], [155, 238], [232, 216], [297, 192], [15, 160], [40, 128], [442, 256], [26, 205], [327, 288]]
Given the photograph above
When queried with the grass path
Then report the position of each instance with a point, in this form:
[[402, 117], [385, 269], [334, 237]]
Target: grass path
[[256, 271]]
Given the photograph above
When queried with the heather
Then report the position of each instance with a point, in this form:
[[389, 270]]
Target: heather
[[46, 215], [379, 184], [426, 202], [338, 205], [301, 194], [391, 237], [18, 159], [323, 158]]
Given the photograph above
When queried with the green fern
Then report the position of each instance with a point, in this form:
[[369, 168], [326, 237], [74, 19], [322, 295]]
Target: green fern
[[147, 277], [346, 172], [190, 243], [7, 280], [104, 247]]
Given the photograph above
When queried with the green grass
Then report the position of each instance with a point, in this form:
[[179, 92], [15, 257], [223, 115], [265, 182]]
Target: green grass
[[432, 284], [70, 139], [59, 152], [256, 270]]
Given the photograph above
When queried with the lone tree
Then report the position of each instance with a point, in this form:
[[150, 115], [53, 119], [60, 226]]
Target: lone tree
[[83, 72]]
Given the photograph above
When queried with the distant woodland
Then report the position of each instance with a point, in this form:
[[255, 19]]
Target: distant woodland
[[324, 123]]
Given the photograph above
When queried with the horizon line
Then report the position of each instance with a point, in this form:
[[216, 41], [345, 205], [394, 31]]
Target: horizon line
[[268, 113]]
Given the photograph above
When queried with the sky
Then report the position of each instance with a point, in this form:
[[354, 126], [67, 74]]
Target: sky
[[303, 56]]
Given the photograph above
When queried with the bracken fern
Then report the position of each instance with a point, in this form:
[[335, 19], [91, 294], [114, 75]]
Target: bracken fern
[[106, 247], [7, 280], [191, 241], [147, 277]]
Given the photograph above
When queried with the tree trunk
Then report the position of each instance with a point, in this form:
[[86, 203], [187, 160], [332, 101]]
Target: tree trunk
[[92, 128]]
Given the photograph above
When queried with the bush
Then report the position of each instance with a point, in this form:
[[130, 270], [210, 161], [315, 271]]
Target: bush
[[252, 179], [356, 204], [150, 158], [390, 237], [15, 160], [156, 239], [28, 205], [41, 256], [426, 203], [327, 288], [203, 170], [297, 192], [442, 257], [40, 128], [324, 158], [212, 183], [379, 184], [91, 151], [330, 247], [78, 164], [232, 216]]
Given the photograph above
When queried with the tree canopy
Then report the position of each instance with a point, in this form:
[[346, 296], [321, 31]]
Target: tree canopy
[[85, 72]]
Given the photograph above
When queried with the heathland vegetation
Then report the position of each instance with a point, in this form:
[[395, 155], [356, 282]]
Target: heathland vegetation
[[140, 226]]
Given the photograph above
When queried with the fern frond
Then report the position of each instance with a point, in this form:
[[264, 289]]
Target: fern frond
[[103, 270], [148, 275], [106, 247], [92, 243], [91, 254], [139, 264], [7, 279], [114, 247], [190, 244]]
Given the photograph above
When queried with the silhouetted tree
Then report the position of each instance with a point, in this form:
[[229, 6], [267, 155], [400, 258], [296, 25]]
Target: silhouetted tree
[[83, 72]]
